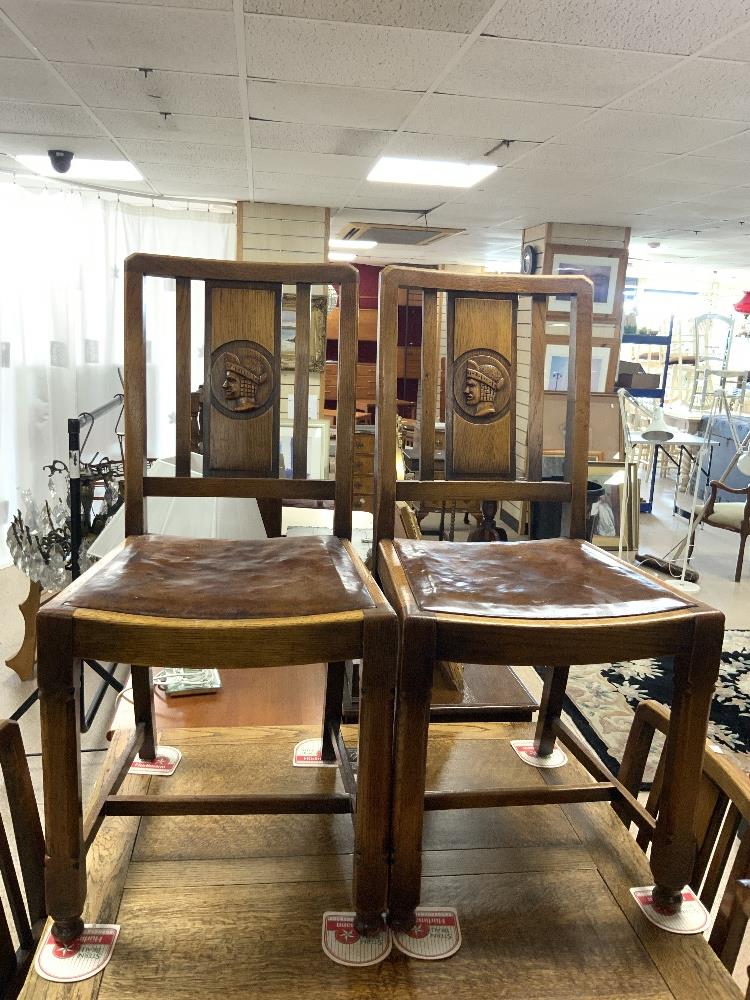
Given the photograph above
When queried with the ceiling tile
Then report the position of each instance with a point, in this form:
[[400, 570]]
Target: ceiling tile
[[179, 93], [11, 45], [736, 148], [553, 158], [557, 74], [353, 107], [317, 138], [446, 114], [118, 34], [311, 165], [676, 26], [197, 173], [14, 143], [192, 155], [293, 196], [733, 204], [735, 47], [345, 54], [710, 88], [649, 132], [720, 173], [446, 147], [30, 80], [437, 15], [212, 188], [55, 120], [188, 128]]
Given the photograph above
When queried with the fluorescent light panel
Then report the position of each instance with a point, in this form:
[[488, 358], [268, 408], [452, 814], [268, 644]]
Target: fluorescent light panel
[[439, 173], [340, 256], [352, 244], [83, 170]]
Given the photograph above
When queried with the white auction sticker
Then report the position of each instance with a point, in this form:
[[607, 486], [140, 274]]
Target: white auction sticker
[[691, 918], [164, 764], [309, 753], [344, 944], [81, 959], [436, 934], [527, 752]]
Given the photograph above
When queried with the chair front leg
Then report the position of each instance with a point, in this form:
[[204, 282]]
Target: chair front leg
[[673, 851], [333, 708], [372, 839], [550, 707], [143, 707], [740, 557], [416, 663], [65, 862]]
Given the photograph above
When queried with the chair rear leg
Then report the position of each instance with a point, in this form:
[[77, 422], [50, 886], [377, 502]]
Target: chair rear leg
[[550, 707], [143, 706], [417, 660], [740, 557], [372, 820], [673, 849], [65, 863], [332, 710]]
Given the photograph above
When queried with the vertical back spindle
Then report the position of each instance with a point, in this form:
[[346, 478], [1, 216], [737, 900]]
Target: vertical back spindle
[[182, 378], [430, 377], [301, 381], [577, 418], [135, 404], [535, 438], [345, 406]]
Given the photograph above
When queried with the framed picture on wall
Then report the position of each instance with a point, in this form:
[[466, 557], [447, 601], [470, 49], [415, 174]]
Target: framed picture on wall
[[608, 510], [556, 367], [318, 315], [603, 272]]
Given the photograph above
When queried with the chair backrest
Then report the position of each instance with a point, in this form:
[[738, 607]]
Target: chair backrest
[[29, 913], [481, 380], [241, 386], [723, 811]]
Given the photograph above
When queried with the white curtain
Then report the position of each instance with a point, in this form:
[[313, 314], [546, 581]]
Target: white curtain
[[61, 321]]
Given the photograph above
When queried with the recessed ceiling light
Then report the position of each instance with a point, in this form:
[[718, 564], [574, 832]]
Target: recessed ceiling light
[[352, 244], [84, 170], [442, 173], [335, 255]]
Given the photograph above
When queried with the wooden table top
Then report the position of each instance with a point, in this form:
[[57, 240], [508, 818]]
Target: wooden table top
[[231, 907]]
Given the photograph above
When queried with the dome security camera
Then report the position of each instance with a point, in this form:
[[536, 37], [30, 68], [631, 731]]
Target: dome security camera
[[60, 159]]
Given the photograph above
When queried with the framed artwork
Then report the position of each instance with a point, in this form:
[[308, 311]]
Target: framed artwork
[[602, 269], [318, 438], [607, 512], [556, 367], [318, 316], [599, 331]]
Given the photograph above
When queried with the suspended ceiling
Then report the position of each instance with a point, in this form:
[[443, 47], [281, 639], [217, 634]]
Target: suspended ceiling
[[621, 112]]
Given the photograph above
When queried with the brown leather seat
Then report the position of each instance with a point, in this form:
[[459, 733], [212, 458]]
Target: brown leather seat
[[551, 579], [203, 578]]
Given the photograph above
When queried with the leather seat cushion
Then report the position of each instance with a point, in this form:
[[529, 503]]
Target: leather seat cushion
[[214, 578], [555, 578]]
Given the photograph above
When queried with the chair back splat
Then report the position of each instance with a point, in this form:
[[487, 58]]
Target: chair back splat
[[482, 416], [241, 387]]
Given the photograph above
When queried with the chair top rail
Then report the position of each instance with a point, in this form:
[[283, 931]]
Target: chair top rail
[[158, 266], [396, 276]]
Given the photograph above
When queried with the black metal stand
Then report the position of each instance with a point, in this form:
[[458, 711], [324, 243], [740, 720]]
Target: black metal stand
[[107, 674]]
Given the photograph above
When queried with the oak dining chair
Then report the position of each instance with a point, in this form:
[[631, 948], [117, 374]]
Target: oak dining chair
[[549, 603], [25, 895], [159, 601], [721, 831]]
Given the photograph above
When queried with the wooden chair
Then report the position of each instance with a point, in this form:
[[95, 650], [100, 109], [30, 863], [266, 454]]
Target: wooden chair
[[162, 601], [729, 515], [722, 814], [26, 907], [546, 603]]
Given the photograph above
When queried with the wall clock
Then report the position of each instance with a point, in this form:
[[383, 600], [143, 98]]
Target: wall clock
[[528, 259]]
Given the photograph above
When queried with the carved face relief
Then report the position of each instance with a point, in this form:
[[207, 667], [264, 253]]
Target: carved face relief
[[242, 379], [481, 385]]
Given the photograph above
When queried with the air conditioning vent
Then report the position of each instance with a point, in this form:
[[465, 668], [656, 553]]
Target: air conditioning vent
[[412, 236]]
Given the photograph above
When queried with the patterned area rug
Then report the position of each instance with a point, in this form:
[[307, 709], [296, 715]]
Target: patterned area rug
[[601, 699]]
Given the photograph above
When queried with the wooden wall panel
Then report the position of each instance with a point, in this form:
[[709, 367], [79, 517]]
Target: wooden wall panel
[[480, 437], [247, 321]]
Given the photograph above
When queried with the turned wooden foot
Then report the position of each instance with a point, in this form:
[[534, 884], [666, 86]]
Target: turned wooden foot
[[667, 899], [368, 925], [65, 931]]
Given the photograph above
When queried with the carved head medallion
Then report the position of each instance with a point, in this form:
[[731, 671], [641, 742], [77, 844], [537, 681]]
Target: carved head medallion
[[482, 385], [242, 379]]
